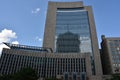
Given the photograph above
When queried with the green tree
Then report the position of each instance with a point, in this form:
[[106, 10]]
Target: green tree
[[50, 79], [26, 74], [23, 74], [6, 77], [115, 77]]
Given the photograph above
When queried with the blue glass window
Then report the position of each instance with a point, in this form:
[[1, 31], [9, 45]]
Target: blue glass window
[[72, 31]]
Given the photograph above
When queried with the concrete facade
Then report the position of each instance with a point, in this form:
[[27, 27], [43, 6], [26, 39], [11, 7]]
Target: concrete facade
[[49, 32], [47, 64], [64, 66], [110, 55]]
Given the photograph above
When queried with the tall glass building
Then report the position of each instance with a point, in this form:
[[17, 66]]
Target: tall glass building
[[70, 48], [70, 28]]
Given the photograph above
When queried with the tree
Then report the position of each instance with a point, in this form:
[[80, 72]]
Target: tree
[[50, 79], [23, 74], [6, 77], [26, 74], [115, 77]]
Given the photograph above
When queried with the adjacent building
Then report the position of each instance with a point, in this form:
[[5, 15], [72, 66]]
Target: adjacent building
[[70, 47], [110, 55], [21, 56], [46, 63]]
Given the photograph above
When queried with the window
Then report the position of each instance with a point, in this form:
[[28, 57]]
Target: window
[[72, 31]]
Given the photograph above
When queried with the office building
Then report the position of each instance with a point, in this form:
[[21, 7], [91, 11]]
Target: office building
[[110, 55], [46, 63], [70, 28], [70, 47]]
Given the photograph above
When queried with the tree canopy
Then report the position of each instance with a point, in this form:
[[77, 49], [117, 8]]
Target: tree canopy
[[115, 77], [23, 74]]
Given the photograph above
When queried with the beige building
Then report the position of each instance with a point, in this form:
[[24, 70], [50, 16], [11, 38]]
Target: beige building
[[70, 47], [110, 55], [72, 66], [70, 29]]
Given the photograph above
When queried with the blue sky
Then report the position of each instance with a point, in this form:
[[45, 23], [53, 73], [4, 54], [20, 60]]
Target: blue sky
[[23, 21]]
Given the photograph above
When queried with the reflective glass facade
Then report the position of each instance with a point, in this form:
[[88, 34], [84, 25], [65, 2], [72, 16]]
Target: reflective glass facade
[[72, 31]]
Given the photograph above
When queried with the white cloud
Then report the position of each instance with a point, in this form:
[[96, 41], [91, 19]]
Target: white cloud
[[39, 39], [15, 42], [6, 36], [36, 10]]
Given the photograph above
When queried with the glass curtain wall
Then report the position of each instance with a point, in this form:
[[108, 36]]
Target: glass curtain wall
[[72, 31]]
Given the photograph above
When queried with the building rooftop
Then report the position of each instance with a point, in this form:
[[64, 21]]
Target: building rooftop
[[29, 48]]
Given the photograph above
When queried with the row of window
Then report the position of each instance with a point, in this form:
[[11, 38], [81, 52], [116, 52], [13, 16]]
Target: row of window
[[116, 65], [12, 63], [72, 18], [80, 33], [114, 43], [116, 56], [61, 27], [65, 22], [72, 14], [116, 59]]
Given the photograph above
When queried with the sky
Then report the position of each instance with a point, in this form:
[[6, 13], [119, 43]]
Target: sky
[[23, 21]]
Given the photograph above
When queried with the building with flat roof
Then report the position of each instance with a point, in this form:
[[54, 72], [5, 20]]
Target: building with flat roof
[[110, 55], [70, 47], [70, 28], [46, 63]]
